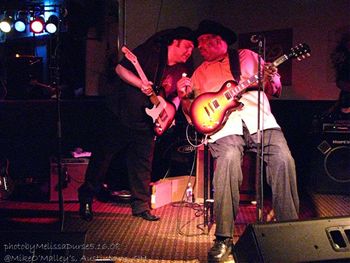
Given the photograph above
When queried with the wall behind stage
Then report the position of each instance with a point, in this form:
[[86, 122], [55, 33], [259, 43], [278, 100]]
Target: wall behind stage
[[313, 21]]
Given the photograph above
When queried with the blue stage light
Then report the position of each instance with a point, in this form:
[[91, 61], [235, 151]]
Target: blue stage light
[[21, 21], [20, 25]]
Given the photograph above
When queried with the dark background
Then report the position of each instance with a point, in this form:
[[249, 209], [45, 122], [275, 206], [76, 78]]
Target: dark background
[[28, 138]]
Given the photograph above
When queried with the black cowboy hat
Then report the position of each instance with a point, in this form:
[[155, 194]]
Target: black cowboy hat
[[212, 27], [182, 32]]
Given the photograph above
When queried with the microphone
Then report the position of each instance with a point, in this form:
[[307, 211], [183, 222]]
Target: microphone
[[256, 38], [184, 75], [189, 95]]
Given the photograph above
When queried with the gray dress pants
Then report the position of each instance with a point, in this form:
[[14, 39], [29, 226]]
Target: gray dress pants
[[280, 176]]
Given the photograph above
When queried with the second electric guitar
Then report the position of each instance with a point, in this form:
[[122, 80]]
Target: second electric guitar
[[162, 112], [209, 111]]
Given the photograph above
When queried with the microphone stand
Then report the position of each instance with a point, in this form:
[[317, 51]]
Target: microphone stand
[[57, 89], [59, 157], [259, 174]]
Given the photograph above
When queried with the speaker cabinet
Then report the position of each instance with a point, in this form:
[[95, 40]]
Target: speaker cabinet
[[42, 246], [73, 175], [331, 163], [173, 157], [318, 240]]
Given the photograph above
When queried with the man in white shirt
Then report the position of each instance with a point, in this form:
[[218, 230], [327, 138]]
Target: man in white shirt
[[240, 131]]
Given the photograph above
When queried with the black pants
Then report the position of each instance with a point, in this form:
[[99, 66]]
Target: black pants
[[138, 146]]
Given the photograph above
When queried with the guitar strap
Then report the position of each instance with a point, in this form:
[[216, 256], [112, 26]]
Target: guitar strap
[[235, 66], [162, 60]]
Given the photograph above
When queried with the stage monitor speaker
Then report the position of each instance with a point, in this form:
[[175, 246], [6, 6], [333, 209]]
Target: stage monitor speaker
[[42, 246], [317, 240], [330, 165]]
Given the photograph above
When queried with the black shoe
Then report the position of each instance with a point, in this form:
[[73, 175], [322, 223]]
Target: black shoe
[[85, 211], [220, 250], [147, 216], [104, 195]]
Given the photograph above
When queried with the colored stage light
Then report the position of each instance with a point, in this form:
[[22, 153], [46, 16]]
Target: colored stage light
[[52, 24], [6, 25], [21, 21], [37, 25], [20, 25]]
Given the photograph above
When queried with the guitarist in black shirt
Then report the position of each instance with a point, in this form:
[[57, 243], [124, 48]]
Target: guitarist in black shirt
[[131, 123], [340, 58]]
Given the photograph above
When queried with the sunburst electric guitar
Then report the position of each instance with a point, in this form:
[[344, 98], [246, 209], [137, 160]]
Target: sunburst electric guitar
[[162, 112], [209, 111]]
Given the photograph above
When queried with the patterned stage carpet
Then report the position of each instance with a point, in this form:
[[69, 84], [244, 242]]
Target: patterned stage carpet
[[114, 234]]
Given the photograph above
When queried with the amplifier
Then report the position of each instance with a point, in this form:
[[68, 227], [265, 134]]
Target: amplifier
[[336, 127], [330, 163], [73, 175]]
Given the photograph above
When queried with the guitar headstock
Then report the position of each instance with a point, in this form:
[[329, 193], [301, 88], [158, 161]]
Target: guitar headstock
[[300, 51], [129, 55]]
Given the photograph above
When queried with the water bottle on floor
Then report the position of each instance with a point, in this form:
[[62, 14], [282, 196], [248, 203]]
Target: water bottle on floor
[[189, 193]]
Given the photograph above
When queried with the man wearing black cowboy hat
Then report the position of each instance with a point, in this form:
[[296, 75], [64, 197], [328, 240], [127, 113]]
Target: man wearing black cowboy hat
[[341, 62], [239, 132], [128, 129]]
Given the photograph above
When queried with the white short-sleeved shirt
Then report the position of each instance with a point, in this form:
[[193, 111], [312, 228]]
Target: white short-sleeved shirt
[[210, 76]]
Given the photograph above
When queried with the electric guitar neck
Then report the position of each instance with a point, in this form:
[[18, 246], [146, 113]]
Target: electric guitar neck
[[162, 112]]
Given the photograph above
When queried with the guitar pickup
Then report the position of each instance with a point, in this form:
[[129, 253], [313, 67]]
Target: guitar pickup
[[207, 111], [215, 104], [228, 95], [163, 115]]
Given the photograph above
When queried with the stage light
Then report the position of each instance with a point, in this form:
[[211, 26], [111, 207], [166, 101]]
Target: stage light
[[21, 22], [52, 24], [37, 25], [6, 25], [20, 25]]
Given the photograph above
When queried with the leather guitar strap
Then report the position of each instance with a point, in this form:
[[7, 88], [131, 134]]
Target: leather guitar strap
[[235, 65]]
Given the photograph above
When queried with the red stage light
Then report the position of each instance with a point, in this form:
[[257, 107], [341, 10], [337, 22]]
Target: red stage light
[[37, 25]]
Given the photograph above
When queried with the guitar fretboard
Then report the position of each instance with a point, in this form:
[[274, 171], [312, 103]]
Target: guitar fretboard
[[245, 84], [133, 59]]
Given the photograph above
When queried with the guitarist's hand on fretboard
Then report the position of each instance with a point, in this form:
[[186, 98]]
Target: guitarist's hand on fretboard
[[270, 71], [271, 79]]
